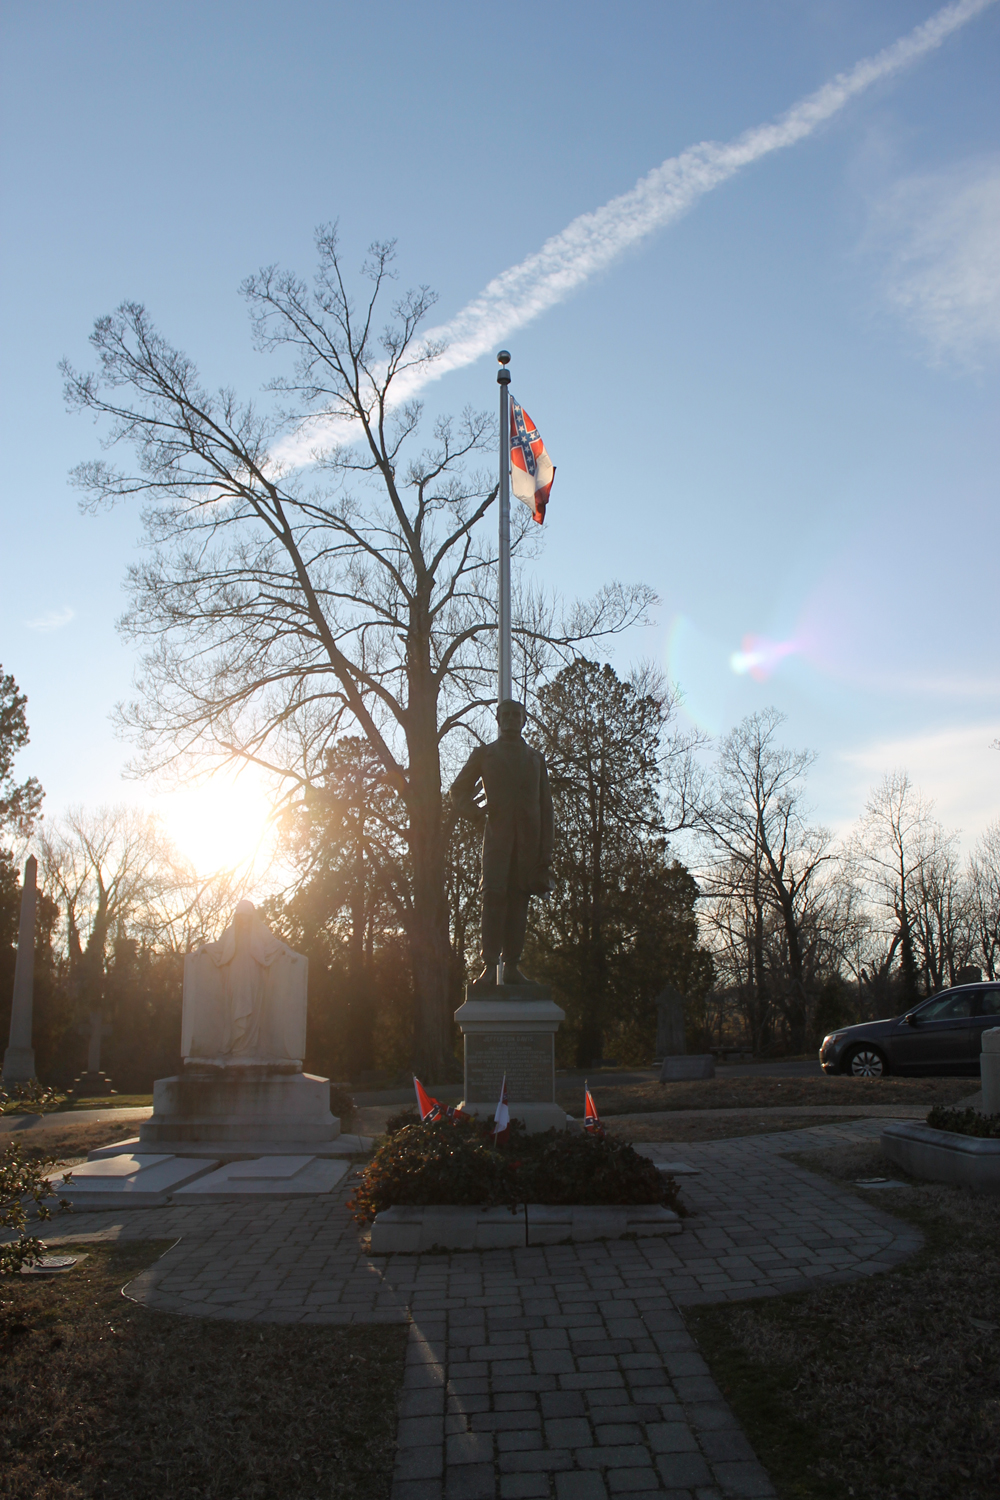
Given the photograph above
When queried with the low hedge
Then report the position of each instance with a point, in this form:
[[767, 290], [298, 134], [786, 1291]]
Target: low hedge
[[964, 1122], [456, 1163]]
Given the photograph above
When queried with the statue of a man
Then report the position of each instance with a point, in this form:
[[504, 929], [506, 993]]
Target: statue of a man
[[518, 838]]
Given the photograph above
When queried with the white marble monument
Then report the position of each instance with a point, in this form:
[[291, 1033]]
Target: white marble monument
[[243, 1040]]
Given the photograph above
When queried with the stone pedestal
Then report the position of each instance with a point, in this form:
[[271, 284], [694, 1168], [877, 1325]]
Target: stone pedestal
[[91, 1085], [510, 1030], [240, 1104], [243, 1036], [989, 1068]]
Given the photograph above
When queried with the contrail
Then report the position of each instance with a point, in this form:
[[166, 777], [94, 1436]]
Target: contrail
[[595, 240]]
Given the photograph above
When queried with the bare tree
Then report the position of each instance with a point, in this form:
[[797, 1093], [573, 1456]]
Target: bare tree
[[110, 871], [283, 606], [942, 926], [891, 853], [755, 819], [984, 898]]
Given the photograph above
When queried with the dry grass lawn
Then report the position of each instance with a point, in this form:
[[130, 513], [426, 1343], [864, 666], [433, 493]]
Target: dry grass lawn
[[102, 1397], [766, 1093], [67, 1142], [886, 1388]]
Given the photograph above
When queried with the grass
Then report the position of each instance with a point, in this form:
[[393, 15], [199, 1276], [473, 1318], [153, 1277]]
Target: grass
[[106, 1101], [766, 1093], [885, 1388], [67, 1142], [102, 1397]]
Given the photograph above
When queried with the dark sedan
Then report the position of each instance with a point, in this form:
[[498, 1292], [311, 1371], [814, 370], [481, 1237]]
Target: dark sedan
[[940, 1035]]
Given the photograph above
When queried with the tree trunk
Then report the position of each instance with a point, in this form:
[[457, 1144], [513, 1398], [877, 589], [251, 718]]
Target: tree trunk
[[429, 939]]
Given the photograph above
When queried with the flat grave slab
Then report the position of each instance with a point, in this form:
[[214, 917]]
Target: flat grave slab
[[129, 1180], [268, 1177], [223, 1151]]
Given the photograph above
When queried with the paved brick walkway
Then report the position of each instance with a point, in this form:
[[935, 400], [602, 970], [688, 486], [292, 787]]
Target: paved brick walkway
[[563, 1370]]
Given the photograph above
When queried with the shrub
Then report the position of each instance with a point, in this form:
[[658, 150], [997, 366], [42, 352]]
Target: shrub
[[964, 1121], [456, 1163], [399, 1121], [22, 1181], [341, 1104]]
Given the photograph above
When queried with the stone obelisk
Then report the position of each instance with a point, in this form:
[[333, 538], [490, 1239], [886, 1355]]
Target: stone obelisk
[[19, 1058]]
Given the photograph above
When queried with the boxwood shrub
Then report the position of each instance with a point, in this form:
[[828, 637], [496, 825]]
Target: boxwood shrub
[[456, 1163], [964, 1121]]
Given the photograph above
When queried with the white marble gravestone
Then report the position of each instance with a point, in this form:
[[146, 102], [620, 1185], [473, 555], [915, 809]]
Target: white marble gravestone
[[243, 1040]]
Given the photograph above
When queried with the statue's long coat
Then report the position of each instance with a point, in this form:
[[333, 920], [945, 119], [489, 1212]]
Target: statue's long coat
[[520, 826]]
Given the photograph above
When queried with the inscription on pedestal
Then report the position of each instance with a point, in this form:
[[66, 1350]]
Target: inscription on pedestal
[[526, 1058]]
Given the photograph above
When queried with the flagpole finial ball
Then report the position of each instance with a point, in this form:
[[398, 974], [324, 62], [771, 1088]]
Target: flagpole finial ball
[[503, 358]]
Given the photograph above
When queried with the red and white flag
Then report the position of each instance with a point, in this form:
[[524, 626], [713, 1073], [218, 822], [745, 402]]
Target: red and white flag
[[501, 1120], [531, 469], [591, 1119]]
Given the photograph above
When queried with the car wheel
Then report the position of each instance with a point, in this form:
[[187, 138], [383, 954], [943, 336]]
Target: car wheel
[[865, 1062]]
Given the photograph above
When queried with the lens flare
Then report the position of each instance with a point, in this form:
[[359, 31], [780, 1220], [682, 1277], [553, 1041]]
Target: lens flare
[[759, 657]]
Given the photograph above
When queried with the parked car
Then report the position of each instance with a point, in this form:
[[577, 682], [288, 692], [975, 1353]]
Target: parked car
[[940, 1035]]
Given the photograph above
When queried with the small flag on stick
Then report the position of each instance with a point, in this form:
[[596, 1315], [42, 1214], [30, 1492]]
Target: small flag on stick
[[501, 1120], [432, 1109], [591, 1119], [531, 469]]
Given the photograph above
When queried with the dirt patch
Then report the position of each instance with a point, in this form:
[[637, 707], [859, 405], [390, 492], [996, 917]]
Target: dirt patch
[[99, 1396], [766, 1093], [886, 1388], [64, 1142]]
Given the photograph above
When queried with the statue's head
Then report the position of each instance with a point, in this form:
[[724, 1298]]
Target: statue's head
[[245, 910], [511, 717]]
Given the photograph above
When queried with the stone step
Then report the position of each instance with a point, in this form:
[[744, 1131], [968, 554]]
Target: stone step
[[411, 1229]]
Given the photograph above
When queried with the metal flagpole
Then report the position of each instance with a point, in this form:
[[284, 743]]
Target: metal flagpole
[[503, 380]]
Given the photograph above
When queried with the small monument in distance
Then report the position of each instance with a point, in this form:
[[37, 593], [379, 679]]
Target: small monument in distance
[[507, 1022], [671, 1046], [19, 1058], [242, 1090]]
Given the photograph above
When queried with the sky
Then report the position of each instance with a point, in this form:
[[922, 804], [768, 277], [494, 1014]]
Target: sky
[[746, 259]]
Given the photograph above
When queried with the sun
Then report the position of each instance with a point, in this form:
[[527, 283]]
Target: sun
[[220, 823]]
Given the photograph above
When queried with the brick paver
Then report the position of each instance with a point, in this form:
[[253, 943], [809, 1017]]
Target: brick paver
[[557, 1373]]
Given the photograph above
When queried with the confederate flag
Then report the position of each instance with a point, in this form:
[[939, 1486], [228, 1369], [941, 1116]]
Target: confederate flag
[[531, 469], [591, 1119], [432, 1109]]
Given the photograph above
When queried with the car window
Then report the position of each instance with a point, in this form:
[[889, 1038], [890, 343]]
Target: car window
[[989, 1003], [947, 1007]]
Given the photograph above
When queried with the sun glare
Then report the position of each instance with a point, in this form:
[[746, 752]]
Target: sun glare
[[219, 824]]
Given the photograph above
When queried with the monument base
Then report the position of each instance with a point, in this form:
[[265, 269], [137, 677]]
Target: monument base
[[534, 1117], [19, 1065], [509, 1031], [682, 1069], [240, 1105], [91, 1086]]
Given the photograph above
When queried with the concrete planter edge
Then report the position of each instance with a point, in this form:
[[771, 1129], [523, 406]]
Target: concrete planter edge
[[404, 1229], [943, 1156]]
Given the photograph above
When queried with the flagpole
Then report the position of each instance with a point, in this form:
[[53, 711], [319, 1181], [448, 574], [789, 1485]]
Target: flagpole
[[503, 611]]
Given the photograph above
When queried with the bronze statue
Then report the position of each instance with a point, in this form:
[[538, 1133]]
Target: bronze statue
[[518, 838]]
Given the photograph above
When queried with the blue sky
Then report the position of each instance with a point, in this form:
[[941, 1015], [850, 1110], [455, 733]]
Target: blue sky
[[779, 409]]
